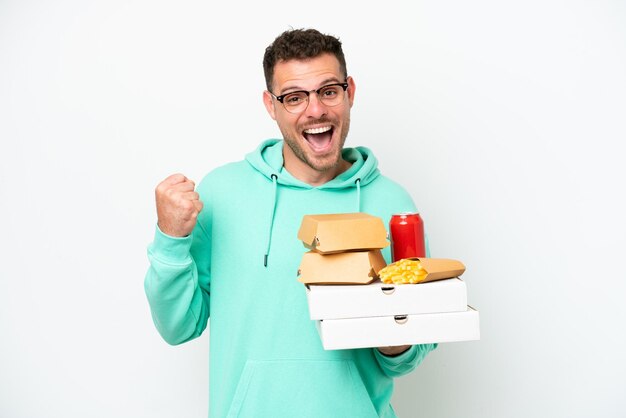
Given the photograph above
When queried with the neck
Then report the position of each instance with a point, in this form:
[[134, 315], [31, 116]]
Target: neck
[[310, 176]]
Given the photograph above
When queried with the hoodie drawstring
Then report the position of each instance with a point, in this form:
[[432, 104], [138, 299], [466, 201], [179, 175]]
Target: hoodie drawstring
[[269, 238], [358, 194]]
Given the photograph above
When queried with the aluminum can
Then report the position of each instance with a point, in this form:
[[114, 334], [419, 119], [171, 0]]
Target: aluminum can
[[406, 233]]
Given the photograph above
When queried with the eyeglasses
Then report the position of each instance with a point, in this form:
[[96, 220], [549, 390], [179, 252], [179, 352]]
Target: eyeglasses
[[297, 101]]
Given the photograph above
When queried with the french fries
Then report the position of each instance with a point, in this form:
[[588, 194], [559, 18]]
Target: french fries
[[405, 271]]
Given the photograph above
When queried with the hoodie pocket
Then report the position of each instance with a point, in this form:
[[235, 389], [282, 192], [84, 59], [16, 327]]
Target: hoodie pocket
[[302, 389]]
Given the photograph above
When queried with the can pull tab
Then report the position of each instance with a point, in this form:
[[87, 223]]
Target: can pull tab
[[388, 290], [401, 319]]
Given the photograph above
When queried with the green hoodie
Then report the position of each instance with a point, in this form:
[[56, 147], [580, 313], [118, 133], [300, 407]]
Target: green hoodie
[[239, 267]]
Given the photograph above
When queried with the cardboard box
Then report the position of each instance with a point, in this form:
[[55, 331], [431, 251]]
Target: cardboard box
[[355, 267], [438, 268], [338, 232], [396, 330], [379, 299]]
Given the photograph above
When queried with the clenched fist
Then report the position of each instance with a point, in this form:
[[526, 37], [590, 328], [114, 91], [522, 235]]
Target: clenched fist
[[178, 205]]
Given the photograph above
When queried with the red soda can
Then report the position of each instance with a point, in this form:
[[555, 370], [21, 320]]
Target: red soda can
[[406, 231]]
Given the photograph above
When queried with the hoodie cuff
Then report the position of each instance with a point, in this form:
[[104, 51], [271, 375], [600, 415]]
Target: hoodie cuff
[[404, 363], [167, 247], [390, 361]]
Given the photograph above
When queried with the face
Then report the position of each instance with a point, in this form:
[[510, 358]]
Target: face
[[314, 137]]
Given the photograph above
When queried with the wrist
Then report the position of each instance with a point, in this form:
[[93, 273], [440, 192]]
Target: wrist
[[394, 351]]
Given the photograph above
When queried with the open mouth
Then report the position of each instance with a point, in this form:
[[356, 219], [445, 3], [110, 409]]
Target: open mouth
[[319, 138]]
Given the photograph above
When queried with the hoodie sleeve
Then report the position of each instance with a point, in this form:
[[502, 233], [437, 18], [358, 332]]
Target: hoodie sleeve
[[396, 366], [177, 284]]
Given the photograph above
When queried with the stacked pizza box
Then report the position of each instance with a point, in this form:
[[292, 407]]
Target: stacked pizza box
[[353, 308]]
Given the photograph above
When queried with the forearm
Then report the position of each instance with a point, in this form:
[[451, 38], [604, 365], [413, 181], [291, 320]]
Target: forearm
[[178, 304]]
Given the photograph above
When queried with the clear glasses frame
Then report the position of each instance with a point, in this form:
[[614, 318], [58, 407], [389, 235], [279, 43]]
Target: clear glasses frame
[[297, 101]]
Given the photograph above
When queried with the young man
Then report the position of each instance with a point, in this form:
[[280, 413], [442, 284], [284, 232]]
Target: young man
[[230, 251]]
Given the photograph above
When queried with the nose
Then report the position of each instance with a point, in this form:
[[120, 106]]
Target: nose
[[316, 108]]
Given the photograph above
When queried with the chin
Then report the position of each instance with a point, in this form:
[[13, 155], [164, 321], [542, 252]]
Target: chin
[[325, 164]]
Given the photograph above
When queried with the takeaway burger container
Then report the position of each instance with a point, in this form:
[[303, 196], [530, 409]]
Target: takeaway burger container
[[339, 232]]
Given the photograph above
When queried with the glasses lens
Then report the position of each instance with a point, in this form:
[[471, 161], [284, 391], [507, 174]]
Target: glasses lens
[[331, 95], [295, 102]]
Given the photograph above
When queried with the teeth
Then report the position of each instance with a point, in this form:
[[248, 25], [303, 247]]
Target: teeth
[[317, 130]]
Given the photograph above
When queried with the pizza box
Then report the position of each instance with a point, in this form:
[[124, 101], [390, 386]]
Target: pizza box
[[396, 330], [380, 299]]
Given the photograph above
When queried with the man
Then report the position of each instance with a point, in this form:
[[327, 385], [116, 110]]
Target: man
[[230, 249]]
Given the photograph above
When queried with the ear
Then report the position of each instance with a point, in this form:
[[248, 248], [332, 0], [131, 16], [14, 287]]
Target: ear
[[351, 90], [269, 104]]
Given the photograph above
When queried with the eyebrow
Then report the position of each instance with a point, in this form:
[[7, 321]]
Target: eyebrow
[[330, 80]]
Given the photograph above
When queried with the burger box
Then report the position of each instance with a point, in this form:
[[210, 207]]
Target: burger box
[[338, 232], [380, 299], [384, 331], [352, 267]]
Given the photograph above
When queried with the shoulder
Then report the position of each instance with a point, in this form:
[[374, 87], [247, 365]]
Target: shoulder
[[225, 176], [387, 185], [388, 196]]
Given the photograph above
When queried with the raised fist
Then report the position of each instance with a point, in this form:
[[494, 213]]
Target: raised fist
[[178, 205]]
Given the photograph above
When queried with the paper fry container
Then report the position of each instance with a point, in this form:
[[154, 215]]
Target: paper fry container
[[440, 268]]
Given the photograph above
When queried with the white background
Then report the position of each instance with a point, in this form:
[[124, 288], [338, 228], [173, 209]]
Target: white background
[[504, 120]]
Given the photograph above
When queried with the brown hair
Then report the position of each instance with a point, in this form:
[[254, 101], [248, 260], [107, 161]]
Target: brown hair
[[300, 44]]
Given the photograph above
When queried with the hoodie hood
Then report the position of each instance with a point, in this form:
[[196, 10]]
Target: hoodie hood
[[267, 159]]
